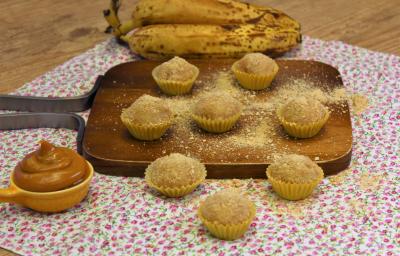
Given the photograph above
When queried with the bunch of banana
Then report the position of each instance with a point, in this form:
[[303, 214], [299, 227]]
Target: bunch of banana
[[204, 29]]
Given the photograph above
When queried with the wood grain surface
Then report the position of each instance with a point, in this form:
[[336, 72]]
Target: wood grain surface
[[38, 35], [223, 158]]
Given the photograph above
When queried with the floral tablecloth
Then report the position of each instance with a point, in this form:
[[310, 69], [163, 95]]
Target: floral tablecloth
[[356, 212]]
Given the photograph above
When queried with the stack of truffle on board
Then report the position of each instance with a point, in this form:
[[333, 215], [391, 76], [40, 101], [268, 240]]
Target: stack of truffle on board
[[227, 214]]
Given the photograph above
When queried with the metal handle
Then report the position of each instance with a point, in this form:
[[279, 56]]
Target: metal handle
[[46, 104], [45, 120]]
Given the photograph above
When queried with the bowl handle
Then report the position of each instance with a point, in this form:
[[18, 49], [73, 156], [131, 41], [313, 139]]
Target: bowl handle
[[9, 195]]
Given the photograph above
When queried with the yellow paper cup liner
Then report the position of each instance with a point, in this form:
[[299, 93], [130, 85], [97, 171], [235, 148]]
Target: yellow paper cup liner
[[218, 125], [174, 192], [146, 132], [228, 232], [302, 130], [254, 81], [171, 87], [294, 191]]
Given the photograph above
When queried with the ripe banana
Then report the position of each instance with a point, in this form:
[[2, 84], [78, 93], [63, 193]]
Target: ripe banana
[[206, 41], [149, 12], [218, 12]]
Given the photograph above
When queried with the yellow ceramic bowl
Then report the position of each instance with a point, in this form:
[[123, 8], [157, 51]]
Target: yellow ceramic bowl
[[56, 201]]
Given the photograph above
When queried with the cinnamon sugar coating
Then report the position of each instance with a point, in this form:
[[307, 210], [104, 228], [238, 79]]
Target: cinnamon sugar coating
[[217, 105], [227, 207], [175, 170], [148, 110], [295, 169], [256, 63], [303, 110], [176, 69]]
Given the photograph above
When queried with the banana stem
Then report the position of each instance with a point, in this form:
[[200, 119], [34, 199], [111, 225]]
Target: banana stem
[[124, 38], [126, 27], [111, 16]]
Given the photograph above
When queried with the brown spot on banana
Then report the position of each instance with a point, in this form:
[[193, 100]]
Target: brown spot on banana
[[257, 19], [230, 43], [256, 35], [228, 4], [230, 26]]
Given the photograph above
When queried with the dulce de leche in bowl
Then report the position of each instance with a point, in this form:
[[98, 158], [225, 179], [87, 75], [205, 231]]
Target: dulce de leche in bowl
[[50, 179], [50, 169]]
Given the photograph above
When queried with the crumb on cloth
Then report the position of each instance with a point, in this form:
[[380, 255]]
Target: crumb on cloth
[[359, 103]]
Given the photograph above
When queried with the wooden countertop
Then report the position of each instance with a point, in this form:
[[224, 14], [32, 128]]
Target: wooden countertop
[[38, 35]]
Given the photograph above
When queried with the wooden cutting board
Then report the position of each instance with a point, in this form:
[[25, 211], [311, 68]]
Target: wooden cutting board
[[112, 150]]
